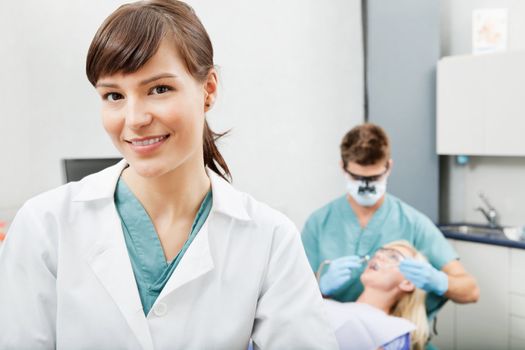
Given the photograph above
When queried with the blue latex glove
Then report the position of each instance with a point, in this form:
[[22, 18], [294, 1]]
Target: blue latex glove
[[424, 276], [338, 273]]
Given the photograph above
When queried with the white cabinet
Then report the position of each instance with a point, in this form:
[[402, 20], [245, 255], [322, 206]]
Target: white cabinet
[[487, 323], [480, 104], [446, 328], [517, 298]]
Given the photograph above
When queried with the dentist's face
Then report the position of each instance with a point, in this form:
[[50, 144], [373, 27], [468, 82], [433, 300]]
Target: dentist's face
[[366, 184], [155, 116]]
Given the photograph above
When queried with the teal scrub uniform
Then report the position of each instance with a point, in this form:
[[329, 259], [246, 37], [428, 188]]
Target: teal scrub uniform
[[334, 231], [149, 264]]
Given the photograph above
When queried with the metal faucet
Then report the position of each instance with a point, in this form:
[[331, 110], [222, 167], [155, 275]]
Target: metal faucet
[[490, 213]]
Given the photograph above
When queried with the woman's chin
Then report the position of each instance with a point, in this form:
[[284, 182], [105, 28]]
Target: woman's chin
[[146, 170]]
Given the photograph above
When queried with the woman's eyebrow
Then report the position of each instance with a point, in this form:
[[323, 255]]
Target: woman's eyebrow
[[108, 85], [143, 82], [157, 77]]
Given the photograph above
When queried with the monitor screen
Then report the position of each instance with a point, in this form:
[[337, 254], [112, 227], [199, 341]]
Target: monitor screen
[[76, 169]]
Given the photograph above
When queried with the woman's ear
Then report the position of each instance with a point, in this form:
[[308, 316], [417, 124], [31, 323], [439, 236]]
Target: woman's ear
[[210, 89], [407, 286]]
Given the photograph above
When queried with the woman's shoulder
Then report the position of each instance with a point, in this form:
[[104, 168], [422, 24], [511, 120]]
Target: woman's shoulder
[[244, 207], [52, 199], [62, 198], [262, 213]]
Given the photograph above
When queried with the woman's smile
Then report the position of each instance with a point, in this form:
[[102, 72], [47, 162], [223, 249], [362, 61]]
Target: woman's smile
[[147, 145]]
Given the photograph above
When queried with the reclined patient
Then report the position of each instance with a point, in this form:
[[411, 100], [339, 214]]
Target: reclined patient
[[390, 313]]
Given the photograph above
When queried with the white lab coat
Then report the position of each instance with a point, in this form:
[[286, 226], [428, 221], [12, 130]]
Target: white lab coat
[[66, 280]]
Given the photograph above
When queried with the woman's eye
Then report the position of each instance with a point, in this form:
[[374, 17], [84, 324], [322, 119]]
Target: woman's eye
[[157, 90], [113, 96]]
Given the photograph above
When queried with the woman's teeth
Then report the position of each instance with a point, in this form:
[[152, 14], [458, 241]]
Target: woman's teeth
[[148, 142]]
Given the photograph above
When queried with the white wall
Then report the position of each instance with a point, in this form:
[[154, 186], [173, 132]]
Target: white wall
[[48, 109], [291, 87], [500, 178]]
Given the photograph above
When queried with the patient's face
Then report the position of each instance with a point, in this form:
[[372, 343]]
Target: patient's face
[[382, 271]]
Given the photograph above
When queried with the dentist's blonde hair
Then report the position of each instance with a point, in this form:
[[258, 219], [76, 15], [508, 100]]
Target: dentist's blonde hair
[[411, 306]]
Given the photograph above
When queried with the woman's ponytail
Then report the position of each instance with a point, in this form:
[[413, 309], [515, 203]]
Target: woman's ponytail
[[212, 157]]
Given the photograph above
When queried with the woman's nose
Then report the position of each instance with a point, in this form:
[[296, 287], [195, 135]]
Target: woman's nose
[[381, 257], [137, 115]]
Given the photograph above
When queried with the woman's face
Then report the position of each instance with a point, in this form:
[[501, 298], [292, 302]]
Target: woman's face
[[155, 116], [382, 271]]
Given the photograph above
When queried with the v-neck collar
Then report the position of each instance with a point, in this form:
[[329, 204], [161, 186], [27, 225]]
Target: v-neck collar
[[375, 221], [140, 229], [151, 269]]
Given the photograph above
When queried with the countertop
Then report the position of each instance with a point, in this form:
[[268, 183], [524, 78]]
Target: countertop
[[498, 240]]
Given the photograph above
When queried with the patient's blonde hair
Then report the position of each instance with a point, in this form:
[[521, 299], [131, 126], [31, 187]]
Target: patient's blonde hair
[[411, 306]]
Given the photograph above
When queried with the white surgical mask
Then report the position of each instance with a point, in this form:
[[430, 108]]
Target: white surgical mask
[[366, 194]]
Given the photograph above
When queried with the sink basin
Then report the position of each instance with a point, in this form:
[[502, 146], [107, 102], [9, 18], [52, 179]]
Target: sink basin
[[511, 233], [473, 229]]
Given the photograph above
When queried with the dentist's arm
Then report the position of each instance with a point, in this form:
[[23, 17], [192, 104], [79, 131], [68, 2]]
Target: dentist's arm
[[462, 286], [453, 281]]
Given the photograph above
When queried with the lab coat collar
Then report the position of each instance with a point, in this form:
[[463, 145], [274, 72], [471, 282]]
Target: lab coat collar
[[226, 199], [196, 262], [100, 185]]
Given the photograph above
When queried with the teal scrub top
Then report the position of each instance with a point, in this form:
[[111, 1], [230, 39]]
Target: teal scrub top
[[334, 231], [149, 264]]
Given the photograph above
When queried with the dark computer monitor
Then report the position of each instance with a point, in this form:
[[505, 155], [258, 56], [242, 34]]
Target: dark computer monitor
[[76, 169]]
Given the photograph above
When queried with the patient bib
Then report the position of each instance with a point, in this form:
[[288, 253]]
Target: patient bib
[[360, 326]]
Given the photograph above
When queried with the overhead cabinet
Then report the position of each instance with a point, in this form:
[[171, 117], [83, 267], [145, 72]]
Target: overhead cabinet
[[481, 105]]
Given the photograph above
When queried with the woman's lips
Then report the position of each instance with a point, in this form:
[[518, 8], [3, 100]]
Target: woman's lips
[[147, 145], [373, 265]]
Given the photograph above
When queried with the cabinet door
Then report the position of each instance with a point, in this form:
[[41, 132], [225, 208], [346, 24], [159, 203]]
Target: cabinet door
[[446, 323], [460, 127], [485, 324], [480, 104], [517, 296], [517, 272]]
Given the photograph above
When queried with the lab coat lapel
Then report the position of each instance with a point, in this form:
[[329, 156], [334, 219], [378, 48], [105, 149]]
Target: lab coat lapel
[[110, 262], [196, 262], [108, 257]]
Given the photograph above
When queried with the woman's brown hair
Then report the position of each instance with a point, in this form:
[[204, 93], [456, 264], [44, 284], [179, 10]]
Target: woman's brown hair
[[132, 34]]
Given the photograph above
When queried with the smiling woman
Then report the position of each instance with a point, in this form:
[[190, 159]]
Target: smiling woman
[[158, 251], [155, 116], [173, 58]]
